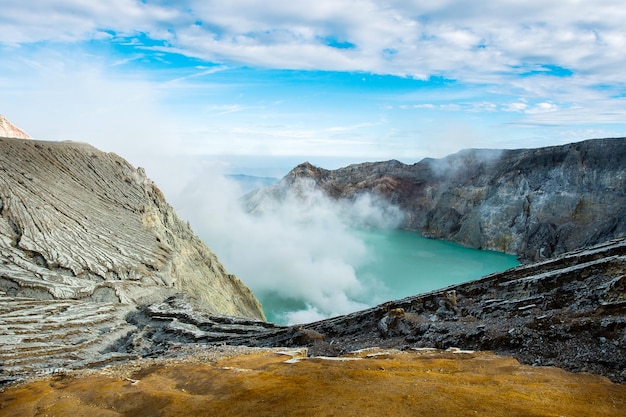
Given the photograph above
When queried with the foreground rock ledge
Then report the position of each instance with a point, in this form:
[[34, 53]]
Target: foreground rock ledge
[[86, 239], [569, 312], [270, 383]]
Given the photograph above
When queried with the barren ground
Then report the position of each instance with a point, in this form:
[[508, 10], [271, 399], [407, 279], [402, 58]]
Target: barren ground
[[226, 381]]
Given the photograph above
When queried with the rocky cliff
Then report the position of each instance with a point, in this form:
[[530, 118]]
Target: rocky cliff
[[85, 239], [568, 311], [535, 203], [78, 223], [95, 266]]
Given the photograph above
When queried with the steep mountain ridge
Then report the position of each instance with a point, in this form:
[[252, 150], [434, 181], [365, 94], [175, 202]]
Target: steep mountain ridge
[[78, 223], [534, 203], [96, 268], [86, 240]]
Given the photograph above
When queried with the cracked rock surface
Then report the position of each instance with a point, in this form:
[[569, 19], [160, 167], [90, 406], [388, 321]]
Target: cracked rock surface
[[568, 312], [78, 223]]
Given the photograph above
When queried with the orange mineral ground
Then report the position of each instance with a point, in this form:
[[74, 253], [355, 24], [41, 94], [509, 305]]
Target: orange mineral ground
[[366, 383]]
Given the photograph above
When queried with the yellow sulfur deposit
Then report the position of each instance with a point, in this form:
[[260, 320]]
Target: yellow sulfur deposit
[[366, 383]]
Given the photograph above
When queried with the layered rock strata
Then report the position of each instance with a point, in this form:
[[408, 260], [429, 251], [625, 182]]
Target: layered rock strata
[[535, 203], [569, 312], [78, 223], [86, 239], [95, 267]]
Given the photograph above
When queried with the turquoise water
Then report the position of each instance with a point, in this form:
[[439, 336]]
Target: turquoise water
[[409, 264], [403, 264]]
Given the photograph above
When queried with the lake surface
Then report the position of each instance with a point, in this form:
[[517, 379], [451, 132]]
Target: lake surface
[[403, 264]]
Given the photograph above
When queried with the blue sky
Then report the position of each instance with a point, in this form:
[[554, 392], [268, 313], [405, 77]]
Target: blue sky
[[330, 81]]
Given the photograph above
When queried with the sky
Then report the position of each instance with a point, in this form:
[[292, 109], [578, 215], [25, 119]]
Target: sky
[[192, 89], [260, 86]]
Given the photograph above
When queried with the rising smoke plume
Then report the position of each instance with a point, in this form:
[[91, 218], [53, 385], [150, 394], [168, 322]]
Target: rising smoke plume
[[302, 248]]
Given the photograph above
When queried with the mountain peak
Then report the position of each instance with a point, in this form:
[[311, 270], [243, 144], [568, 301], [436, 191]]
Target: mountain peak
[[9, 130]]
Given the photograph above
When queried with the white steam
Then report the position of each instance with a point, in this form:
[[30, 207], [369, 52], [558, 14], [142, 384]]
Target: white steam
[[300, 248]]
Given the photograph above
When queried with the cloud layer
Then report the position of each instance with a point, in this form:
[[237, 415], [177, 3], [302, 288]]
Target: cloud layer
[[451, 38], [210, 75]]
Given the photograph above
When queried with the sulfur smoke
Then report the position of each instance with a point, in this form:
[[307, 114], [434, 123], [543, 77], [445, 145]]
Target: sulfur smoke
[[302, 248]]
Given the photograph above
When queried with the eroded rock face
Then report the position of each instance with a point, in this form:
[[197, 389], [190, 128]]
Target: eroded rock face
[[78, 223], [535, 203], [569, 312], [95, 267], [85, 240]]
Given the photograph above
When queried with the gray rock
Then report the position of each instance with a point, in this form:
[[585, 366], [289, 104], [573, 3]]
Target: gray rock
[[96, 268], [87, 241], [535, 203], [78, 223], [568, 311]]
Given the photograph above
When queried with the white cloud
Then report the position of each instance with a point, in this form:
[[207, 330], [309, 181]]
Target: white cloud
[[222, 109], [484, 47], [571, 118], [77, 20], [471, 43], [76, 96], [424, 106], [515, 107], [460, 40], [543, 107], [358, 126]]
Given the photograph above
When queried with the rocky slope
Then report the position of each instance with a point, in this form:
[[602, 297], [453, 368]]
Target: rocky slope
[[9, 130], [95, 266], [534, 203], [569, 312], [85, 238]]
